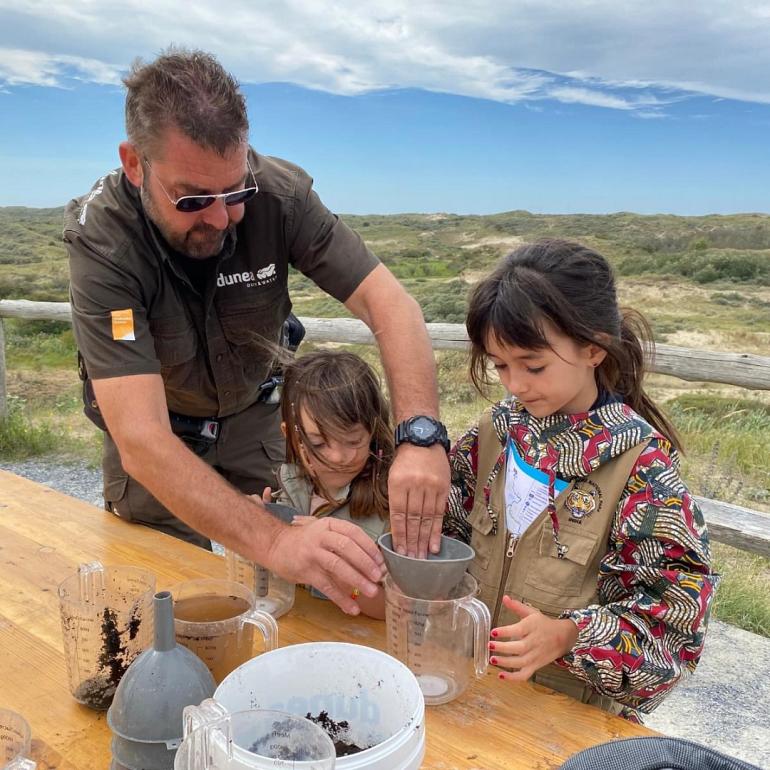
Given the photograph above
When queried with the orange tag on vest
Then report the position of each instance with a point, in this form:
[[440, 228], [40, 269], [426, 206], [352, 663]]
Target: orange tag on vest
[[123, 324]]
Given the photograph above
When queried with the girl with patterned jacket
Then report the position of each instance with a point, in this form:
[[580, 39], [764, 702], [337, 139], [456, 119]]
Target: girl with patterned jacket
[[591, 554], [339, 447]]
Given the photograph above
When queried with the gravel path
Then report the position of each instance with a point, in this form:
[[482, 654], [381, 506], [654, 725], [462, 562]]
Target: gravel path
[[725, 705], [75, 479]]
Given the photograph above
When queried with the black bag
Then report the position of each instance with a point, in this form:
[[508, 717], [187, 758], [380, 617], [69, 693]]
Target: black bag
[[653, 753], [292, 334]]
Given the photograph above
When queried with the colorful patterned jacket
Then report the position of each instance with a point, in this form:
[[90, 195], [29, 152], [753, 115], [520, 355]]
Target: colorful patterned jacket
[[655, 584]]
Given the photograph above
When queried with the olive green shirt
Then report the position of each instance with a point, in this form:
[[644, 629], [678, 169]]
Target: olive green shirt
[[135, 310]]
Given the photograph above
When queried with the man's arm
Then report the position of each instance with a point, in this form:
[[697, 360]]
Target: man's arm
[[418, 483], [334, 557]]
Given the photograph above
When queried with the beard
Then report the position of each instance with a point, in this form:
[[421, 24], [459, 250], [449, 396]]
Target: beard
[[199, 242]]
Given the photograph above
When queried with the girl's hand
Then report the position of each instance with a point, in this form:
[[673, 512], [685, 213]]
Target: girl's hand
[[267, 495], [536, 641]]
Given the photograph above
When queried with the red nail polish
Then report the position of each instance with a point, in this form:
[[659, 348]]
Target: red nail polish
[[501, 676], [493, 661], [491, 645], [494, 633]]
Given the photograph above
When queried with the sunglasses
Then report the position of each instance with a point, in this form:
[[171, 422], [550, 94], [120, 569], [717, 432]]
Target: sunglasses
[[191, 204]]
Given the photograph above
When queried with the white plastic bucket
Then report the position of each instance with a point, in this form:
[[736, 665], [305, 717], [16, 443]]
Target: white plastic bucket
[[375, 693]]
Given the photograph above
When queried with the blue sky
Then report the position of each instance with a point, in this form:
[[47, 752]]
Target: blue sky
[[473, 107]]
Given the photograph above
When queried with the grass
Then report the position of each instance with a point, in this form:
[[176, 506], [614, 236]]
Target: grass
[[728, 457], [21, 436], [742, 596]]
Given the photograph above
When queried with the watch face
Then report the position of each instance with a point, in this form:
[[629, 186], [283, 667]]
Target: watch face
[[422, 428]]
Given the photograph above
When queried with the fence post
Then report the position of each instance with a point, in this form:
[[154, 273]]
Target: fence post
[[3, 404]]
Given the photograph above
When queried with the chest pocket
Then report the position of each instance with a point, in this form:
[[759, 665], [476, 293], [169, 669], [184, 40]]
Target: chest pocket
[[253, 334], [482, 539], [556, 583], [176, 346]]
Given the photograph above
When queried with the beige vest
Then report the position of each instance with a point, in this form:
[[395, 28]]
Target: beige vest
[[297, 491], [530, 570]]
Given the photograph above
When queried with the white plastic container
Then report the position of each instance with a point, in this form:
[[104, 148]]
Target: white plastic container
[[375, 693]]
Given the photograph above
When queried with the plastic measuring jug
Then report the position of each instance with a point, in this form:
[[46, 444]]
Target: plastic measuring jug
[[15, 741], [272, 593], [216, 619], [107, 620], [251, 740], [440, 641]]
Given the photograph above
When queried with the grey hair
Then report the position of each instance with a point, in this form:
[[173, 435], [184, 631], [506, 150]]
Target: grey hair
[[189, 91]]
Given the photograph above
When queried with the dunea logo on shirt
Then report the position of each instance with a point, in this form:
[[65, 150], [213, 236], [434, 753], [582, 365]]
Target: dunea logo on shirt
[[263, 277]]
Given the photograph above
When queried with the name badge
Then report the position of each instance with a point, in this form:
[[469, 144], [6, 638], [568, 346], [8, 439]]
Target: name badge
[[526, 491]]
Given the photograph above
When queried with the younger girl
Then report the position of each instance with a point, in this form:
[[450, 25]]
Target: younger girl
[[339, 446], [590, 552]]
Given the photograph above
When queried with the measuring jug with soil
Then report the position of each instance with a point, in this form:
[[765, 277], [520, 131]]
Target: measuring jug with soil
[[15, 742], [107, 620], [216, 620], [440, 640], [215, 739]]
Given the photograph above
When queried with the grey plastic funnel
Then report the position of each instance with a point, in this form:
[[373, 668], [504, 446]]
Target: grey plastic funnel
[[146, 712], [431, 578]]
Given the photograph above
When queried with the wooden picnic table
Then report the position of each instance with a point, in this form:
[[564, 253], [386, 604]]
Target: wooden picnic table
[[44, 535]]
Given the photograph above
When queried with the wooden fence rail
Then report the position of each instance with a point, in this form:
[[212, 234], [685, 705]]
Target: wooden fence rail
[[743, 369], [740, 527]]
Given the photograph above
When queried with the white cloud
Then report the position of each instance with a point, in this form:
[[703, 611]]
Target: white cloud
[[614, 54], [43, 69]]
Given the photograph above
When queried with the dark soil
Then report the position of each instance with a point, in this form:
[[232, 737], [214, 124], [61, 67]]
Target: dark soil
[[338, 732], [98, 691]]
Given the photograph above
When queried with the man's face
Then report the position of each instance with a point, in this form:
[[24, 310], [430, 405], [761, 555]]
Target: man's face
[[182, 167]]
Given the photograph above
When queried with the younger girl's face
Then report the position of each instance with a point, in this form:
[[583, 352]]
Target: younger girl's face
[[559, 379], [342, 458]]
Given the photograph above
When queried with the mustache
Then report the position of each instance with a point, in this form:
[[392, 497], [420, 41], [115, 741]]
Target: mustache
[[208, 230], [205, 233]]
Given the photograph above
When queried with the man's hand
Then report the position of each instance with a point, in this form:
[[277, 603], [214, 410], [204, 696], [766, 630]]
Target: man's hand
[[333, 555], [418, 486], [537, 640]]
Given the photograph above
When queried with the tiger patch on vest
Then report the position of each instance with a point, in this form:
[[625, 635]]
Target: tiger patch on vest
[[584, 499]]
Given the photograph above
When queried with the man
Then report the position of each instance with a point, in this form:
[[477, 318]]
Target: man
[[179, 264]]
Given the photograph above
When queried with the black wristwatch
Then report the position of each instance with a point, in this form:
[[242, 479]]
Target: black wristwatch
[[422, 430]]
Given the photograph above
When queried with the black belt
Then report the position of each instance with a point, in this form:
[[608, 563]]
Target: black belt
[[205, 429]]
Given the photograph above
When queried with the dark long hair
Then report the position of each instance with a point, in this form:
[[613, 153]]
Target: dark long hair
[[340, 390], [573, 288]]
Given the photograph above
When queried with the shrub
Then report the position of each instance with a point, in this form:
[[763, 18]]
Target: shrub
[[20, 437], [704, 266]]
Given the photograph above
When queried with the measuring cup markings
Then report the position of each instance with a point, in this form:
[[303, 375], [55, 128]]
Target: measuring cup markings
[[216, 619], [438, 639], [251, 739], [272, 593], [102, 611], [15, 741]]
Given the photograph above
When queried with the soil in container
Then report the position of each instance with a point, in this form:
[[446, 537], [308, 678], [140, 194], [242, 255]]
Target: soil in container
[[97, 691], [338, 732]]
